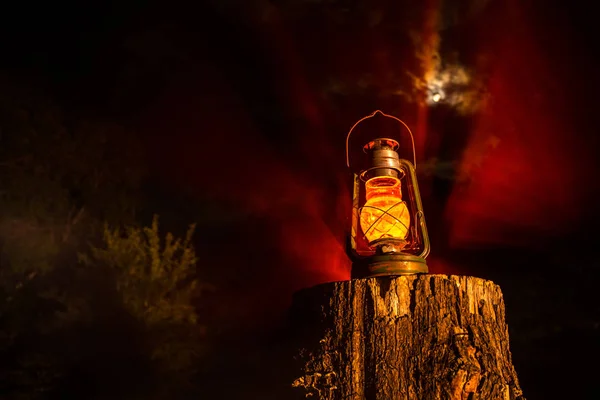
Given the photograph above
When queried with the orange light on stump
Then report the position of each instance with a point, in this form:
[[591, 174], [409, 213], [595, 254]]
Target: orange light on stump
[[388, 234]]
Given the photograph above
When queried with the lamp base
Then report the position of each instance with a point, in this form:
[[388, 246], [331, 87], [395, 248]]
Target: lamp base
[[396, 264]]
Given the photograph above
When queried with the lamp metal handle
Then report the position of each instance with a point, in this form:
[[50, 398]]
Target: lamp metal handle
[[385, 115]]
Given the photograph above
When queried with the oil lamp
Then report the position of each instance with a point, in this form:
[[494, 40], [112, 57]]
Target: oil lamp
[[388, 234]]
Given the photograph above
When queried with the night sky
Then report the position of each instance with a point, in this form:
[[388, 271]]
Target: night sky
[[244, 106]]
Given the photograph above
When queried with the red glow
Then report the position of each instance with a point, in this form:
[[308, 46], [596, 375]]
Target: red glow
[[438, 265], [427, 53], [523, 168], [280, 227], [524, 171]]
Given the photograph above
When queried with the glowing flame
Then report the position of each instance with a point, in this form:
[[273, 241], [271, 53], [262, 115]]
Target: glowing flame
[[384, 215]]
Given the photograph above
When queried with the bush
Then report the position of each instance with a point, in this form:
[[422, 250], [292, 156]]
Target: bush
[[155, 278]]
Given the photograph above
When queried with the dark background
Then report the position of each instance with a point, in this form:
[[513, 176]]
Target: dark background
[[243, 108]]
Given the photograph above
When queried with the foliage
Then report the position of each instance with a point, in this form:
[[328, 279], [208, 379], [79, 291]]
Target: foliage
[[61, 177], [155, 278], [127, 309]]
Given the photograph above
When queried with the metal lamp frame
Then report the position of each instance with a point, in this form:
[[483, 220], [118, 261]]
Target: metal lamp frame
[[398, 263]]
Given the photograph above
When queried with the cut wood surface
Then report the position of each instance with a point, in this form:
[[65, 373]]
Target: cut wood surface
[[422, 337]]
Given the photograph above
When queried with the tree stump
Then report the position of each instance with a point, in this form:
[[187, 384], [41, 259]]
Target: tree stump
[[422, 337]]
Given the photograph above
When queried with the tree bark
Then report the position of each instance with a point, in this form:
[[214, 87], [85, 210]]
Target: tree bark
[[422, 337]]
